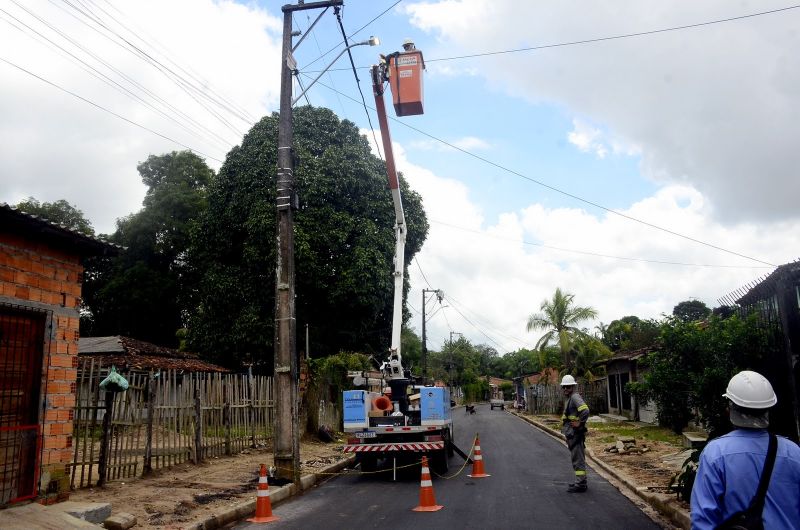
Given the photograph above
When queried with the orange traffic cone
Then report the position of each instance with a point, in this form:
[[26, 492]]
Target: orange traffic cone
[[427, 502], [263, 505], [477, 461]]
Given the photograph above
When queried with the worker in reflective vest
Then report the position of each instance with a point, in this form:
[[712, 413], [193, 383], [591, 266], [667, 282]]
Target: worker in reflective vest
[[576, 412]]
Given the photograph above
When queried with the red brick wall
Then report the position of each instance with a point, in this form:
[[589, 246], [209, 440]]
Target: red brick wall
[[33, 274]]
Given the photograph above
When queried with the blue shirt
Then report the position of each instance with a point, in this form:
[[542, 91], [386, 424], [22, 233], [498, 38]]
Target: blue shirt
[[727, 480]]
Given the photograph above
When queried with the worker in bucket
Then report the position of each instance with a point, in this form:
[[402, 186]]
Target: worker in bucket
[[576, 412], [732, 466]]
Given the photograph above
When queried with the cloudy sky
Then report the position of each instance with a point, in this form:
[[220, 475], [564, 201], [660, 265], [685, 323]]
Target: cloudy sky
[[635, 154]]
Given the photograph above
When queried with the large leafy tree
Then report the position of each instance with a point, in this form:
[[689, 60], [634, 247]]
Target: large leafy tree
[[692, 365], [629, 333], [147, 291], [559, 319], [691, 310], [59, 212], [344, 244]]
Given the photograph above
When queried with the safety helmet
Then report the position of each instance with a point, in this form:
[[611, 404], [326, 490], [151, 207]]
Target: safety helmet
[[750, 390], [568, 380]]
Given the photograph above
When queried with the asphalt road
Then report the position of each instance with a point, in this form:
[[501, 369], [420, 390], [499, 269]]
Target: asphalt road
[[529, 471]]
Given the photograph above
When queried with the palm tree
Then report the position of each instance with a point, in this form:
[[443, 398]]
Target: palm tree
[[559, 320]]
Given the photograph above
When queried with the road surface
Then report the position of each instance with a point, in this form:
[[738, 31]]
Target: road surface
[[529, 471]]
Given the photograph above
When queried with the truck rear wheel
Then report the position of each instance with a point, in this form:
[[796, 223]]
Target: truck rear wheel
[[367, 463], [439, 462]]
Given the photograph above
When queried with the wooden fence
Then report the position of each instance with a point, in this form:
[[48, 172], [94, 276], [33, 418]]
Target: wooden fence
[[164, 419], [549, 399]]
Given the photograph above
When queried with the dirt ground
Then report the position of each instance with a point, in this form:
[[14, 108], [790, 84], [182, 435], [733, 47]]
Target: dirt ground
[[648, 469], [185, 494]]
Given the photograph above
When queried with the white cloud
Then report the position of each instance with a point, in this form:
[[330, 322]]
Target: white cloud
[[468, 143], [594, 140], [495, 275], [714, 106], [54, 146]]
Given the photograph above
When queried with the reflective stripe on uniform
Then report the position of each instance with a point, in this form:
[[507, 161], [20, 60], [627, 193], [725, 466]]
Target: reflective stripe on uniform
[[579, 472], [583, 407], [573, 418]]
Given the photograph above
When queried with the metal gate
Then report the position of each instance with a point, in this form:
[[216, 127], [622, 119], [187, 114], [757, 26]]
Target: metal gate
[[21, 351]]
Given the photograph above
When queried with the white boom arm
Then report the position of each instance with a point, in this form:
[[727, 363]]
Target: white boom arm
[[395, 367]]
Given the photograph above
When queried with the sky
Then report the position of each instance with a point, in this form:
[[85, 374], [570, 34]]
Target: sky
[[635, 154]]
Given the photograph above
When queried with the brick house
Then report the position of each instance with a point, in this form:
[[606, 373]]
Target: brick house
[[41, 270]]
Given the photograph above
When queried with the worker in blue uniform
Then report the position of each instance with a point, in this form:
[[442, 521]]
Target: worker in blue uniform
[[731, 465]]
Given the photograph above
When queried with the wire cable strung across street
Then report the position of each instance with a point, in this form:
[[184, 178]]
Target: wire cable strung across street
[[565, 193]]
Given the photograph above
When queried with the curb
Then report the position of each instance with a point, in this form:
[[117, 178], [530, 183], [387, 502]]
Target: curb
[[244, 509], [665, 507]]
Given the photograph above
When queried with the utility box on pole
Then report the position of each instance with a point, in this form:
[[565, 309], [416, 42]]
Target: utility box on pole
[[405, 81]]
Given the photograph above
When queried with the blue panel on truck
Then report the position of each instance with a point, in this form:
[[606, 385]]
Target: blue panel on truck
[[434, 403], [354, 409]]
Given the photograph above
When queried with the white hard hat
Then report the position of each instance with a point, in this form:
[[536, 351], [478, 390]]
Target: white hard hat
[[568, 380], [750, 390]]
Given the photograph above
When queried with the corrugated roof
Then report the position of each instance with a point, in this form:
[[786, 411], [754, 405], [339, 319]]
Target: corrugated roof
[[140, 355], [13, 217]]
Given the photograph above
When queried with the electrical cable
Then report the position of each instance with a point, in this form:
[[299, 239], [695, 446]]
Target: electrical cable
[[194, 76], [107, 110], [337, 12], [355, 32], [91, 70], [596, 254], [565, 193], [165, 70], [602, 39], [616, 37]]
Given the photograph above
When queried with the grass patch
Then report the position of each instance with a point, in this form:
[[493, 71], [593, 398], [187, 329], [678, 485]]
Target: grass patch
[[610, 432]]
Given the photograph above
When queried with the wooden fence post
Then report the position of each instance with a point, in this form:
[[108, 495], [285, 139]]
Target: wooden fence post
[[147, 468], [226, 418], [198, 425], [105, 441], [252, 410]]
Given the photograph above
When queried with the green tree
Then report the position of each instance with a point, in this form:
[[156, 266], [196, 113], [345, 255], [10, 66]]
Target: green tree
[[588, 352], [59, 212], [691, 310], [692, 366], [344, 243], [147, 291], [630, 333], [559, 319]]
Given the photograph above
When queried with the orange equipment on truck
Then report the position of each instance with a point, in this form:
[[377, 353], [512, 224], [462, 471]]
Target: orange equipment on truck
[[404, 71]]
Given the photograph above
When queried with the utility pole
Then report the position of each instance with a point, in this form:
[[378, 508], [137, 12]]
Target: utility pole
[[450, 364], [286, 437], [439, 295]]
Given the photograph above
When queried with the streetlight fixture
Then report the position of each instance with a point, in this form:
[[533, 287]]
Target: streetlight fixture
[[372, 41]]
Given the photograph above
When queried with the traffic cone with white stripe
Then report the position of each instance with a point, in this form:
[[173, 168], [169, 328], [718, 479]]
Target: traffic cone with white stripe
[[427, 502], [477, 461], [263, 504]]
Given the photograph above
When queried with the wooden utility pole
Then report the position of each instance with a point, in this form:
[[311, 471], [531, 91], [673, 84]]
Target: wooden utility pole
[[286, 436]]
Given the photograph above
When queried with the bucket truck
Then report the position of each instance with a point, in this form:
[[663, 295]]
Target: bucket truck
[[406, 419]]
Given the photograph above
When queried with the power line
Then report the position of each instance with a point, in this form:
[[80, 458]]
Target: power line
[[587, 253], [616, 37], [355, 33], [337, 11], [565, 193], [607, 38], [223, 101], [91, 70], [54, 85], [170, 74]]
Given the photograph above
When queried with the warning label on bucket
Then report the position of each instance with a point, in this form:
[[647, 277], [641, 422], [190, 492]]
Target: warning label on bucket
[[406, 60]]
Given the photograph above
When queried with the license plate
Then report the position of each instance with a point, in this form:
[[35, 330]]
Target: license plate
[[366, 434]]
